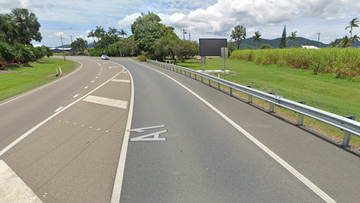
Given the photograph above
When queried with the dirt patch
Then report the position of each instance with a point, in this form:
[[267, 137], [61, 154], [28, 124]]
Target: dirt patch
[[5, 71]]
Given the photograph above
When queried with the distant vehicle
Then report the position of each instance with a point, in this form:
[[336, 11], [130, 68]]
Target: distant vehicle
[[104, 57]]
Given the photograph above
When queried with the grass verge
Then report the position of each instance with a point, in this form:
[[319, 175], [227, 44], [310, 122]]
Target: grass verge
[[322, 91], [17, 80]]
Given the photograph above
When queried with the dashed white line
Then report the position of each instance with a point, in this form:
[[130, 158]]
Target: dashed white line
[[92, 81], [86, 87], [76, 95]]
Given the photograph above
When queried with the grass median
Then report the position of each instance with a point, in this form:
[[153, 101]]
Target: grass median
[[322, 91], [16, 80]]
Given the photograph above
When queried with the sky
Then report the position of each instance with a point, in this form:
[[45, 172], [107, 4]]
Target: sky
[[199, 18]]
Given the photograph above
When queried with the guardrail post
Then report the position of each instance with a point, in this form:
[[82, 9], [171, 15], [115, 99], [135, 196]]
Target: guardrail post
[[230, 91], [347, 135], [202, 79], [249, 96], [301, 116], [271, 105], [209, 83]]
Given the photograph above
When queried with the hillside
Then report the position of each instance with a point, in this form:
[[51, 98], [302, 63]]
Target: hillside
[[247, 43]]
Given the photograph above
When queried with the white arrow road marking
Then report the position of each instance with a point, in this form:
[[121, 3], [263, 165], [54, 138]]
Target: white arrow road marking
[[118, 80], [150, 137], [12, 188], [106, 101], [141, 130]]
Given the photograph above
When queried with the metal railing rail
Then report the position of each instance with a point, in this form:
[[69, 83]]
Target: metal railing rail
[[347, 123]]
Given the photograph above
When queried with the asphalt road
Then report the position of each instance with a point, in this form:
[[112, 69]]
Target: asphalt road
[[184, 142]]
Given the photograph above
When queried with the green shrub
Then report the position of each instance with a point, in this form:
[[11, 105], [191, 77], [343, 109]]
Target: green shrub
[[141, 58]]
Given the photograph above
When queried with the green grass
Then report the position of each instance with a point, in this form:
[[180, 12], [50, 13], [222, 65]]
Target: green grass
[[322, 91], [22, 79]]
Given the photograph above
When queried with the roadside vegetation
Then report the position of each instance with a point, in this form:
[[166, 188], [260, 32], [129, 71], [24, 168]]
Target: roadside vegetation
[[16, 80], [322, 91], [17, 30]]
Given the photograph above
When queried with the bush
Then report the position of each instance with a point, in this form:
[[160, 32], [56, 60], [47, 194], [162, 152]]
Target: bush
[[141, 58], [266, 46]]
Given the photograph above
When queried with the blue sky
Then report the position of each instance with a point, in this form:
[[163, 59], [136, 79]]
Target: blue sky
[[202, 19]]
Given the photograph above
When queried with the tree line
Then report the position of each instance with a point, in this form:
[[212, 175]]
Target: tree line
[[17, 30], [149, 37]]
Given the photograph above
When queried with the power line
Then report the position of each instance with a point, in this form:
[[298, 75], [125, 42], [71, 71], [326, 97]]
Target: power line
[[153, 6]]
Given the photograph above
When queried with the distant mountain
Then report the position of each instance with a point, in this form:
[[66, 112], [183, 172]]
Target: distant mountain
[[90, 45], [247, 43]]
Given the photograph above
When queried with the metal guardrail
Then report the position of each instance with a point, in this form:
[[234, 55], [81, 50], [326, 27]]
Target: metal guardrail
[[347, 123]]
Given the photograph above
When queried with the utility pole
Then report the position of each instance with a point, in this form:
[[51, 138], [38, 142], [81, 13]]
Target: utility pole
[[318, 39], [189, 37], [184, 32]]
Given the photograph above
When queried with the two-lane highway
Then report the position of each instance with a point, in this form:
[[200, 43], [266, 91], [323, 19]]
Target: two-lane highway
[[121, 130]]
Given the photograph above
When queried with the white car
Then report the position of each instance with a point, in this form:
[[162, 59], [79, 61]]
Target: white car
[[104, 57]]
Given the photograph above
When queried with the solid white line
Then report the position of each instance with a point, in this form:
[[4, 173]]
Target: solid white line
[[19, 139], [58, 109], [116, 193], [282, 162], [41, 87], [12, 188]]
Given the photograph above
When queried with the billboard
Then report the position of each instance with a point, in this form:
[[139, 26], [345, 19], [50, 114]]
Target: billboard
[[212, 47]]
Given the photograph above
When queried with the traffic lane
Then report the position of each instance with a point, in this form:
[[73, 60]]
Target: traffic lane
[[74, 156], [326, 164], [203, 157], [21, 114]]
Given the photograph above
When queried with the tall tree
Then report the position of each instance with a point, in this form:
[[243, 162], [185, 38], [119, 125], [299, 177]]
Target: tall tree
[[147, 29], [123, 33], [283, 39], [256, 38], [238, 34], [292, 37], [26, 25], [79, 45], [353, 23]]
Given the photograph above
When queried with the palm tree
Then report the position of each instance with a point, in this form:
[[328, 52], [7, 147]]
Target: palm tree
[[26, 25], [345, 42], [353, 23], [238, 34], [292, 37], [79, 45], [356, 39], [256, 38], [122, 32]]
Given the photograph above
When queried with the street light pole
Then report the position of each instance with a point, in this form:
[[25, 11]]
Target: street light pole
[[62, 44]]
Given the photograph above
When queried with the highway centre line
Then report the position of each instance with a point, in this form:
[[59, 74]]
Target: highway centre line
[[278, 159]]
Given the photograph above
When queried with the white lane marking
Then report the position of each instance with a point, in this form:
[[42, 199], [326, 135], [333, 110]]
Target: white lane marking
[[278, 159], [19, 139], [76, 95], [116, 193], [39, 88], [111, 67], [150, 137], [97, 77], [12, 188], [86, 87], [92, 81], [118, 80], [58, 109], [106, 101], [142, 130]]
